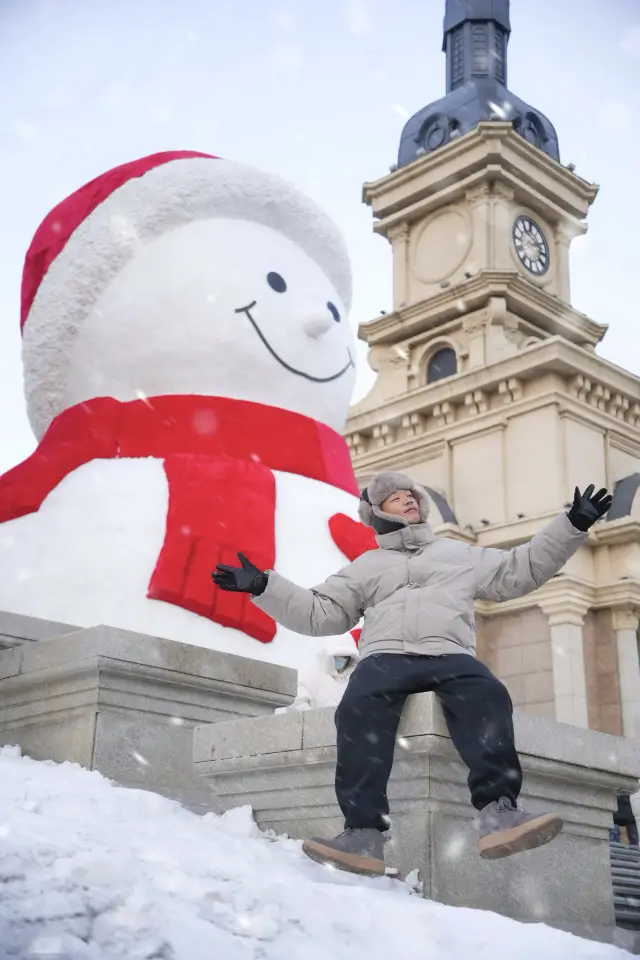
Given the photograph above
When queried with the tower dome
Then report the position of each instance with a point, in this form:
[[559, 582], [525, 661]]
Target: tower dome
[[476, 35]]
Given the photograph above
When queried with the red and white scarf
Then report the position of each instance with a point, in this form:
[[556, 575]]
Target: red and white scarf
[[218, 457]]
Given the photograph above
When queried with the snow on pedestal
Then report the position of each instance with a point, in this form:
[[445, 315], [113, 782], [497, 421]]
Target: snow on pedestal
[[284, 766], [90, 871]]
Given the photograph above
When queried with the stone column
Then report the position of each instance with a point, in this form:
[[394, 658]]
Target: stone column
[[479, 200], [564, 234], [625, 624], [399, 239], [503, 197], [566, 620]]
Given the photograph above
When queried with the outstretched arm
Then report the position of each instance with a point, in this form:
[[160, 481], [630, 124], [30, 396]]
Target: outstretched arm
[[331, 608], [507, 574]]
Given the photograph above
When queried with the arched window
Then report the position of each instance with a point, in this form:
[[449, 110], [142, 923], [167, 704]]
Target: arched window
[[442, 364]]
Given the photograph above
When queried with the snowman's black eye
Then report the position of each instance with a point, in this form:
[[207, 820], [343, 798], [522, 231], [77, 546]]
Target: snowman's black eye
[[333, 310], [276, 282]]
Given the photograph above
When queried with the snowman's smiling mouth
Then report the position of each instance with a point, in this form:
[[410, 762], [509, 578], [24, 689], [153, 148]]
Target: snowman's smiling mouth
[[299, 373]]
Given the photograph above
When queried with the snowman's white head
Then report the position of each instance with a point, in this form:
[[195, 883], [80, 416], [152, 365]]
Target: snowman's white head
[[200, 277]]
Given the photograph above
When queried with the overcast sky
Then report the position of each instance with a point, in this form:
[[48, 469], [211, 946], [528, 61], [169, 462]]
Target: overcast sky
[[317, 91]]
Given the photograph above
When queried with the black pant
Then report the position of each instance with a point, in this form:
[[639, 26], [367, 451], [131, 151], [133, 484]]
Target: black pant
[[478, 712]]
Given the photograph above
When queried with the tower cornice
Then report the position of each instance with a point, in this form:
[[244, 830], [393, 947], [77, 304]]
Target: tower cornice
[[400, 195], [522, 297]]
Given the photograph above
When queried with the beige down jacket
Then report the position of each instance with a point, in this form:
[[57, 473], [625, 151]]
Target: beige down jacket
[[417, 592]]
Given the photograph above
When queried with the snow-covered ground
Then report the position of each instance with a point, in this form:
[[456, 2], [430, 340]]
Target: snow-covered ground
[[90, 870]]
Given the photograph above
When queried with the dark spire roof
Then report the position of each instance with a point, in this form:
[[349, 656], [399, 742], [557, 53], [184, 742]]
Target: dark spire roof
[[476, 34]]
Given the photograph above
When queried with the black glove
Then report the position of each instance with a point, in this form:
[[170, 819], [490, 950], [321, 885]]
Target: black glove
[[244, 579], [588, 507]]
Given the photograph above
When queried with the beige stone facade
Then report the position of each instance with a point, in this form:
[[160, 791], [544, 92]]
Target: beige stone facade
[[490, 393]]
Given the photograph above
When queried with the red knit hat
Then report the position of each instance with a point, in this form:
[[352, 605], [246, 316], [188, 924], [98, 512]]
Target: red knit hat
[[91, 235], [57, 226]]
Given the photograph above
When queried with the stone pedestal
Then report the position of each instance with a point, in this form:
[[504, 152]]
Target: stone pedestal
[[16, 629], [126, 704], [284, 767]]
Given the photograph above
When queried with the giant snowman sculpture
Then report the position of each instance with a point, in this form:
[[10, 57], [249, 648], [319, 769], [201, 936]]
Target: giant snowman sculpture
[[188, 366]]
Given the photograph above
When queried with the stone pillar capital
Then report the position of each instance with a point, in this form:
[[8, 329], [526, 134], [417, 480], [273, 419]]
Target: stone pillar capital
[[399, 233], [564, 609], [626, 618], [478, 195]]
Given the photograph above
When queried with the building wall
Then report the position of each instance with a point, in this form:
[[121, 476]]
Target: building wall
[[601, 669], [517, 648]]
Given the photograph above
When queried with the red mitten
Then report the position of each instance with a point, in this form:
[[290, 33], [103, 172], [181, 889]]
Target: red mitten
[[350, 537]]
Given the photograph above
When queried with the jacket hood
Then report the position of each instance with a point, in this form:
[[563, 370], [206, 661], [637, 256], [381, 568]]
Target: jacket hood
[[381, 487]]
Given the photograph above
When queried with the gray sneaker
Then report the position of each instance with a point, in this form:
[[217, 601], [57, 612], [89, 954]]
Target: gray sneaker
[[505, 830], [357, 851]]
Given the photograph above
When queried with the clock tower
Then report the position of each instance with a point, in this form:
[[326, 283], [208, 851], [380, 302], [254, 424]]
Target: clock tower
[[489, 390]]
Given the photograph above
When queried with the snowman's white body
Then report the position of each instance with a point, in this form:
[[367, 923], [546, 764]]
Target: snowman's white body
[[201, 278], [87, 556]]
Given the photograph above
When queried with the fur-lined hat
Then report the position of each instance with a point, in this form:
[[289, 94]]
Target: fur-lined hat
[[381, 487]]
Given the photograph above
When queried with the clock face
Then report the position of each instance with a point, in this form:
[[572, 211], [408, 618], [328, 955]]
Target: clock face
[[531, 245]]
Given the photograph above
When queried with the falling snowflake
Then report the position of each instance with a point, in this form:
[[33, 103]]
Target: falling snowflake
[[454, 847], [139, 758], [401, 111], [205, 422], [403, 742], [502, 110]]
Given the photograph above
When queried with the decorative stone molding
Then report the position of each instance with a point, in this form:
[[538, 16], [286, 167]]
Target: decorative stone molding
[[504, 192], [475, 323], [497, 312], [567, 231], [444, 413], [400, 233], [567, 608], [602, 398], [476, 402], [384, 434], [626, 618], [479, 194], [510, 390], [414, 424], [357, 444]]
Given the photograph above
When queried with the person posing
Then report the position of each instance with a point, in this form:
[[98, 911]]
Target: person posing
[[417, 597]]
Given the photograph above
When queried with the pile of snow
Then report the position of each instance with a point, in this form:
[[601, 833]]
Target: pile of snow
[[90, 870]]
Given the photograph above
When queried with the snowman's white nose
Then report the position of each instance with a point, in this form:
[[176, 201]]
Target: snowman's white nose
[[317, 324]]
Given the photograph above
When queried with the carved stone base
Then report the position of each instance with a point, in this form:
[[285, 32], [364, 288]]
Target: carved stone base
[[284, 768], [126, 704]]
